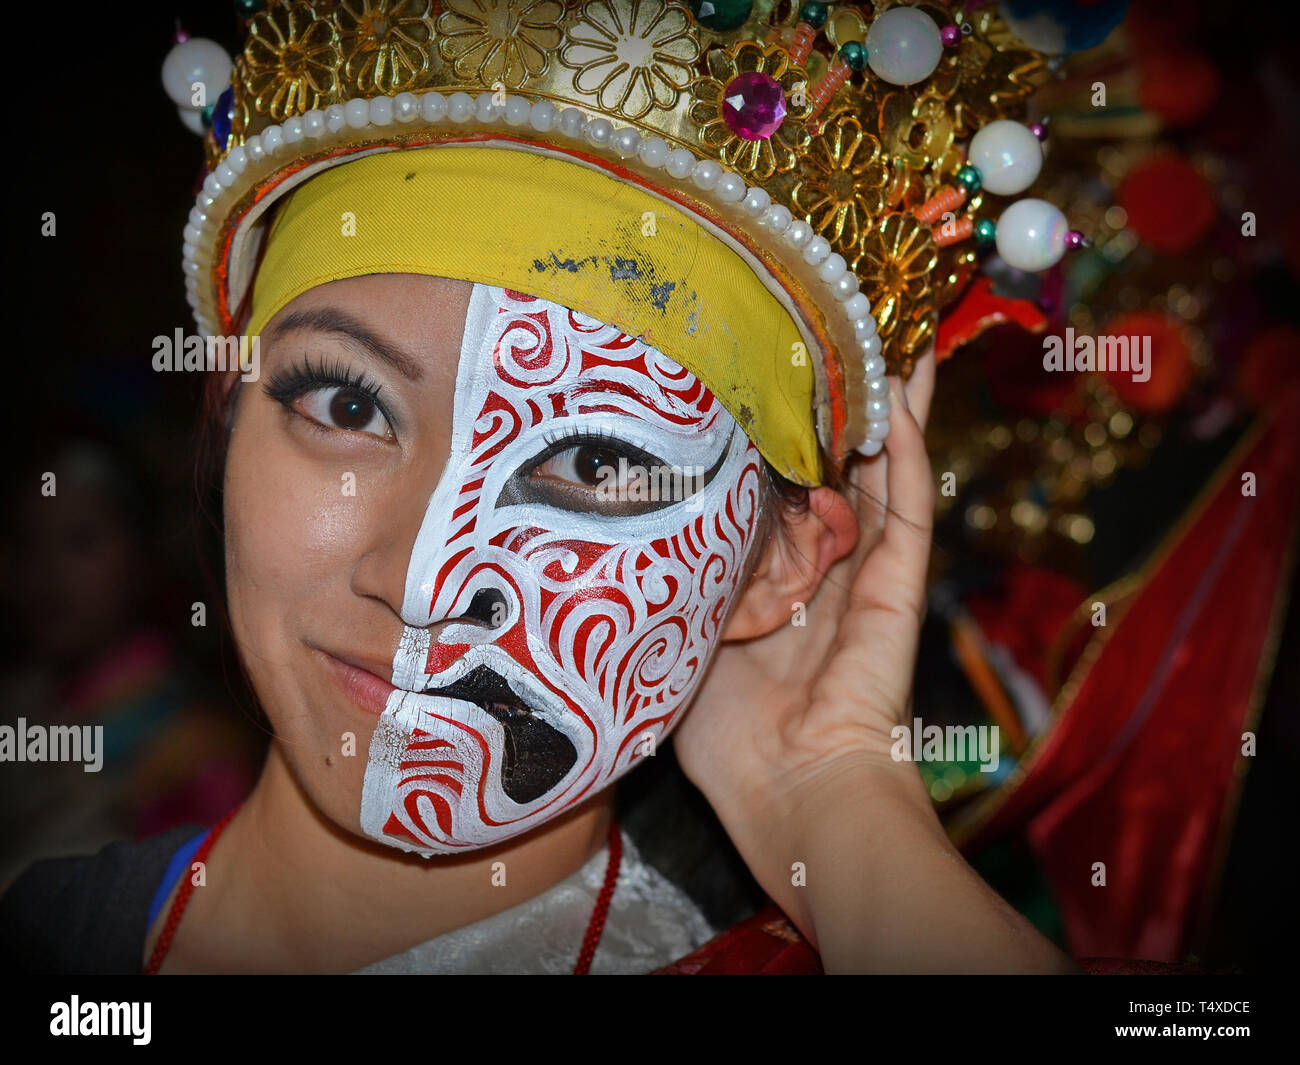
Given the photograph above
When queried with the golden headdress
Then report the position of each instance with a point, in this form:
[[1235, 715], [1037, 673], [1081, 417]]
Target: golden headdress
[[821, 143]]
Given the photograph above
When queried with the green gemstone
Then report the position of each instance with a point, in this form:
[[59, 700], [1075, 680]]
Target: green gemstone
[[986, 231], [206, 115], [722, 15], [247, 8], [854, 54], [970, 178], [814, 15]]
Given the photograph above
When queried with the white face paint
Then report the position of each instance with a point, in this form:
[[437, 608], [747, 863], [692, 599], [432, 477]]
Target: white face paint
[[582, 626]]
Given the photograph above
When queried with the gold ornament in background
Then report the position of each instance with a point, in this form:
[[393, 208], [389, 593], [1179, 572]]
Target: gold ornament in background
[[842, 182]]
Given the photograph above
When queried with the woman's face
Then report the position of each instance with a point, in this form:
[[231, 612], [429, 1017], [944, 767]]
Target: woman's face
[[466, 583]]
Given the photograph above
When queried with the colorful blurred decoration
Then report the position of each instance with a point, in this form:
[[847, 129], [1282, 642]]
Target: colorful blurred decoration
[[1166, 143]]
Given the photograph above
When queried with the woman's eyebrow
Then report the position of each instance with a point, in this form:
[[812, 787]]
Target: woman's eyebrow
[[342, 324]]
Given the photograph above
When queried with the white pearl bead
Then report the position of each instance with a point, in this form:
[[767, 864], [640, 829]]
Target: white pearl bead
[[864, 327], [313, 124], [845, 286], [875, 365], [572, 122], [272, 138], [627, 142], [1031, 235], [756, 201], [406, 106], [680, 163], [187, 251], [192, 299], [878, 409], [816, 251], [237, 158], [192, 120], [903, 46], [877, 387], [255, 149], [190, 235], [518, 111], [381, 111], [1007, 155], [599, 132], [706, 173], [776, 218], [460, 107], [871, 347], [543, 115], [877, 430], [197, 217], [832, 268], [730, 188], [357, 113], [196, 61], [433, 107], [225, 175], [799, 233], [870, 447], [335, 118], [292, 130], [856, 306], [653, 152], [485, 108], [212, 185]]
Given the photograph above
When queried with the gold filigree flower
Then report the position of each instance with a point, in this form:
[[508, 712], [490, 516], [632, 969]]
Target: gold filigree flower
[[499, 40], [769, 155], [385, 43], [632, 57], [894, 263], [290, 61], [842, 182]]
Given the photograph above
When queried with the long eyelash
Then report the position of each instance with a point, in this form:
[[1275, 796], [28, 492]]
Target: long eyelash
[[288, 385], [564, 439]]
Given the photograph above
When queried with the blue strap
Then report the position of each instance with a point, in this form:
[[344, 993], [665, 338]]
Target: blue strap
[[176, 868]]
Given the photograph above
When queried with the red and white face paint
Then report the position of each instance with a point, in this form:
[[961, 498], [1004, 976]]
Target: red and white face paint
[[578, 628]]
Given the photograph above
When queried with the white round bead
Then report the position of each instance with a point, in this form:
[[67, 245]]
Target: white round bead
[[864, 327], [237, 158], [756, 201], [903, 46], [870, 447], [871, 347], [197, 217], [381, 111], [1031, 235], [518, 111], [599, 132], [877, 387], [572, 122], [486, 108], [190, 234], [730, 187], [406, 106], [680, 163], [776, 218], [212, 185], [706, 173], [799, 233], [313, 124], [878, 409], [192, 120], [292, 130], [225, 175], [460, 107], [196, 61], [832, 268], [187, 251], [433, 107], [255, 149], [874, 366], [626, 142], [653, 151], [543, 115], [817, 250], [335, 118], [877, 430], [845, 286], [357, 113], [856, 306], [1007, 155]]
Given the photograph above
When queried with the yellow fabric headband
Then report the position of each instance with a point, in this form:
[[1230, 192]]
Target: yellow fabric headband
[[582, 239]]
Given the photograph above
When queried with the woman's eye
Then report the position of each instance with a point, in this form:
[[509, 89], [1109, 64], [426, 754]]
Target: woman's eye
[[345, 408], [585, 464]]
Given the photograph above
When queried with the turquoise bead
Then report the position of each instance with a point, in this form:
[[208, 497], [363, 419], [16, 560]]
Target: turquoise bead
[[986, 231], [721, 15], [970, 178], [814, 15], [854, 54]]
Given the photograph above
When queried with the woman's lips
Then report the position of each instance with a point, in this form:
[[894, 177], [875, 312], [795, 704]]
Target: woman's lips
[[366, 690]]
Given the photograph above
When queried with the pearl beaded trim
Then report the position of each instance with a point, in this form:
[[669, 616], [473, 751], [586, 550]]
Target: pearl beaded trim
[[680, 164]]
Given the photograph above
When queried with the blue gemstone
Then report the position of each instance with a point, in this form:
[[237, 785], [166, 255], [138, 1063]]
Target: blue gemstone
[[223, 116]]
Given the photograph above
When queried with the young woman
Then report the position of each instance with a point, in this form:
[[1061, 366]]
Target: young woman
[[538, 468]]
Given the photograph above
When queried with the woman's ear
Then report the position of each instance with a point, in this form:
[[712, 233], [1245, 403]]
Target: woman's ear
[[793, 563]]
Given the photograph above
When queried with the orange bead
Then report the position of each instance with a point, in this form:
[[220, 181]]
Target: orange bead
[[954, 231], [948, 198], [829, 86], [801, 46]]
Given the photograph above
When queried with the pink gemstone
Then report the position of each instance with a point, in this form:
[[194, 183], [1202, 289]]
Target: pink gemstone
[[753, 106]]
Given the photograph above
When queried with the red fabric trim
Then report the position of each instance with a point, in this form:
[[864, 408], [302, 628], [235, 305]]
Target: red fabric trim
[[765, 944]]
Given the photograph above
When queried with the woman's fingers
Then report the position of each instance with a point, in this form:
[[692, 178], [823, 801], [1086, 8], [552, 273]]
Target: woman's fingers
[[920, 387], [910, 487]]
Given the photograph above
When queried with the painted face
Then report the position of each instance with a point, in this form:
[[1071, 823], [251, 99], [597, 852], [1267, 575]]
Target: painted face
[[579, 616]]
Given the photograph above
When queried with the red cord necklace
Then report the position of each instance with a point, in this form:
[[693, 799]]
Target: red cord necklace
[[585, 955]]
